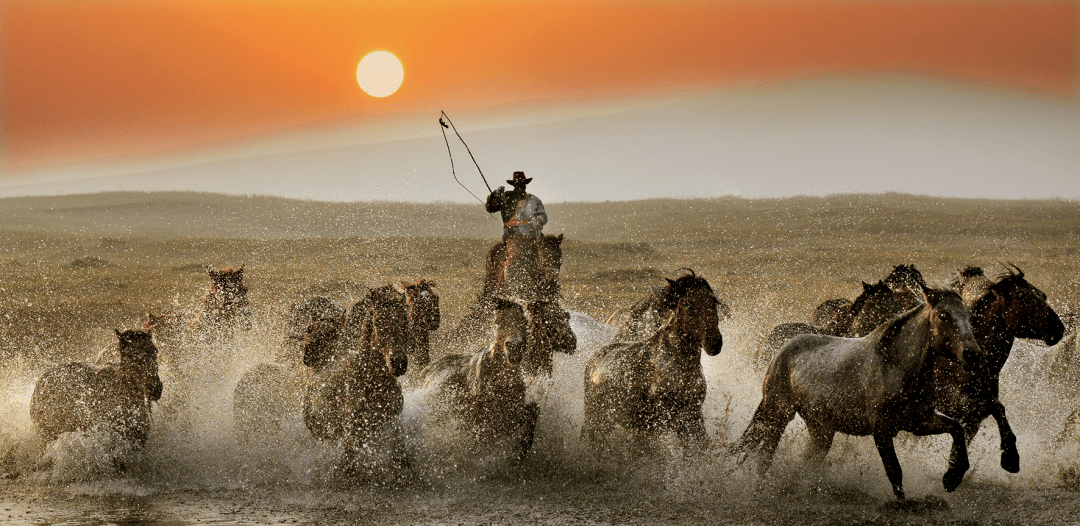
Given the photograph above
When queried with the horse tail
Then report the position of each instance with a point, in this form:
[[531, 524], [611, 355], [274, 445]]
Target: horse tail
[[771, 417]]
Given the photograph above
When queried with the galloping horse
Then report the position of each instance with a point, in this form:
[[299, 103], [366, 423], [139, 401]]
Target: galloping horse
[[1008, 308], [549, 332], [524, 267], [356, 392], [874, 306], [225, 307], [643, 318], [656, 385], [485, 391], [117, 397], [878, 385], [424, 317], [903, 281]]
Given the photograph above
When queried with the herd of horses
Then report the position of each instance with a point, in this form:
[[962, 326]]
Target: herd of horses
[[902, 356]]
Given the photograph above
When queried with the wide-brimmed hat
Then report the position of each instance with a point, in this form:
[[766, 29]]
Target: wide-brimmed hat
[[519, 179]]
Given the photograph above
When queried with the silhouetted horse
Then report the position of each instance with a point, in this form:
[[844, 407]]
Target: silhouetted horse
[[878, 385], [643, 318], [485, 392], [424, 317], [906, 283], [270, 393], [549, 332], [225, 307], [1008, 308], [116, 397], [875, 305], [355, 392], [656, 385], [525, 268]]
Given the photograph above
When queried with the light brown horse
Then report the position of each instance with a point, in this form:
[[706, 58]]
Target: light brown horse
[[524, 267], [355, 393], [657, 384], [643, 318], [485, 391], [878, 385], [225, 307], [116, 397]]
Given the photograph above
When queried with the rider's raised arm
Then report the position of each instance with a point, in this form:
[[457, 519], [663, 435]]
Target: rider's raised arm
[[496, 200]]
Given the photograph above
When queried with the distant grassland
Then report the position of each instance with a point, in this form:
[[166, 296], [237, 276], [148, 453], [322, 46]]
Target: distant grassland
[[74, 267]]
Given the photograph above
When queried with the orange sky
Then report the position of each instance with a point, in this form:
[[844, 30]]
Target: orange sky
[[84, 82]]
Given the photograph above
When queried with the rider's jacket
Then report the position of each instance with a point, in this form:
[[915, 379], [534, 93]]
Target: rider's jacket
[[522, 213]]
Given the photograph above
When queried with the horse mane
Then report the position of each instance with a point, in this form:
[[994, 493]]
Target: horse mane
[[963, 275], [1012, 273], [890, 329]]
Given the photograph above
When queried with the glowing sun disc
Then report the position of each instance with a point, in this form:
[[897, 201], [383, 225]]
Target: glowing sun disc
[[380, 74]]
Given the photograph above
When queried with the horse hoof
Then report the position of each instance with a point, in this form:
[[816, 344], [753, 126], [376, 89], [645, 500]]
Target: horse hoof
[[1010, 461], [952, 479]]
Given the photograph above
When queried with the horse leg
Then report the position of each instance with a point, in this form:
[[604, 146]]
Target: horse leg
[[528, 427], [768, 424], [690, 428], [892, 464], [821, 439], [958, 458], [493, 274], [1010, 457]]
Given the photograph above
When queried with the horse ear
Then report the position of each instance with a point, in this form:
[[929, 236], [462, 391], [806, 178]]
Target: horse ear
[[560, 238], [655, 290], [117, 331], [241, 269], [865, 286]]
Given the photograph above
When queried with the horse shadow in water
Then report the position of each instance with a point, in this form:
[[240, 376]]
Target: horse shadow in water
[[116, 398], [643, 318], [355, 394], [875, 305], [1002, 310], [483, 394], [878, 385], [524, 267], [656, 385]]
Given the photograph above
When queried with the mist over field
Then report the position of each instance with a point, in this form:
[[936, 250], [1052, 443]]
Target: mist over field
[[857, 134]]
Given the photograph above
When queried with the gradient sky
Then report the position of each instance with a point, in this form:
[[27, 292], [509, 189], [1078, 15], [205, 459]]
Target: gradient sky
[[84, 81]]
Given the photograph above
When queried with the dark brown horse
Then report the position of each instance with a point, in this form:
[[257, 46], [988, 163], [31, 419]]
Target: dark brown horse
[[524, 267], [424, 317], [1008, 308], [878, 385], [485, 391], [355, 392], [116, 397], [643, 318], [875, 305], [549, 333], [656, 385], [906, 283]]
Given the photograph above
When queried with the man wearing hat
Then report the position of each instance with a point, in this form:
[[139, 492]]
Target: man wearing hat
[[522, 213]]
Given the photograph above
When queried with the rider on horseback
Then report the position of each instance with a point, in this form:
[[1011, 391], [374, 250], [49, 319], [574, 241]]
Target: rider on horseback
[[522, 213]]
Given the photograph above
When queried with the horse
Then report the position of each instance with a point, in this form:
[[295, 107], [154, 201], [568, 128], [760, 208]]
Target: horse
[[268, 394], [225, 307], [643, 318], [904, 281], [549, 332], [423, 318], [355, 392], [524, 267], [855, 319], [485, 391], [116, 397], [878, 385], [1008, 308], [656, 384]]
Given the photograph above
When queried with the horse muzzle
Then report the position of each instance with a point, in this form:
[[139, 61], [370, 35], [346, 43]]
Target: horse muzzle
[[515, 350], [713, 344], [399, 363]]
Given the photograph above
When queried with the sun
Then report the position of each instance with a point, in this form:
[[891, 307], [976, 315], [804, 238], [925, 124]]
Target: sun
[[380, 74]]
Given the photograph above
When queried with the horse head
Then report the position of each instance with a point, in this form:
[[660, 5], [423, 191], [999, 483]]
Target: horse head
[[1023, 308], [875, 305], [694, 306], [228, 294], [320, 338], [511, 331], [905, 281], [949, 322], [387, 328], [550, 327], [138, 361], [423, 304]]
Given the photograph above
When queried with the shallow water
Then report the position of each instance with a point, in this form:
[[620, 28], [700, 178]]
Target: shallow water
[[194, 470]]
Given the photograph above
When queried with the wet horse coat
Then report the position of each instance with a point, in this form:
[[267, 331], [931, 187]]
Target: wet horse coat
[[878, 385], [117, 397], [525, 268]]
